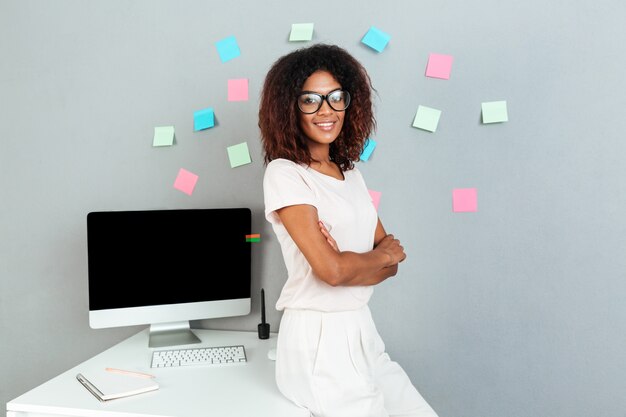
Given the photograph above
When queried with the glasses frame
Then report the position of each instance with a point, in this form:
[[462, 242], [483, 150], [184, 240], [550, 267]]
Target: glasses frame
[[323, 97]]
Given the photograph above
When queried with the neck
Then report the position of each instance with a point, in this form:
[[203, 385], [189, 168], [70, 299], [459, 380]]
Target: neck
[[320, 153]]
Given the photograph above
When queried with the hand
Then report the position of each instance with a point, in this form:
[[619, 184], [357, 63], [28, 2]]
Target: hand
[[328, 237], [392, 247]]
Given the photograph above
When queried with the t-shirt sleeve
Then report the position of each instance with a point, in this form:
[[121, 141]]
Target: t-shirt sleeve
[[284, 185]]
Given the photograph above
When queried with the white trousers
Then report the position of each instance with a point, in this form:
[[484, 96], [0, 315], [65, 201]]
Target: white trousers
[[335, 365]]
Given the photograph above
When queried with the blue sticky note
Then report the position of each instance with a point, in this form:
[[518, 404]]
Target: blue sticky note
[[228, 48], [203, 119], [376, 39], [370, 144]]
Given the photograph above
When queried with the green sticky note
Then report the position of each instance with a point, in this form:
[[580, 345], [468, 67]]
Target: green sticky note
[[238, 154], [163, 136], [494, 112], [426, 118], [301, 32]]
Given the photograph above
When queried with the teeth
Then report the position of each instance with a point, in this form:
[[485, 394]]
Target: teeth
[[324, 124]]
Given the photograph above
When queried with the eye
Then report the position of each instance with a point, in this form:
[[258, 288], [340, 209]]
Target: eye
[[309, 99], [336, 97]]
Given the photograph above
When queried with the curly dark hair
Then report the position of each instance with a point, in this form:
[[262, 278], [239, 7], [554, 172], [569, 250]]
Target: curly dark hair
[[281, 134]]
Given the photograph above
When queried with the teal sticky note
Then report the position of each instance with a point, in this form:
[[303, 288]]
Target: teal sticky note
[[228, 48], [239, 154], [376, 39], [427, 118], [163, 136], [301, 32], [494, 112], [370, 144], [203, 119]]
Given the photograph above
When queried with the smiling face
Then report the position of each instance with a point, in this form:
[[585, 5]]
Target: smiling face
[[323, 126]]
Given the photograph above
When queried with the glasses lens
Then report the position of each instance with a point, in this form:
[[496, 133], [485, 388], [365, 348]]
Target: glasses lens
[[309, 103], [339, 100]]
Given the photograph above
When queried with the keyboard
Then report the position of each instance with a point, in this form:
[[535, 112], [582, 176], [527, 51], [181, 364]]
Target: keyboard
[[212, 355]]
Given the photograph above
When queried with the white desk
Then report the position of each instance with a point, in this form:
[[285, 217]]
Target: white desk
[[223, 391]]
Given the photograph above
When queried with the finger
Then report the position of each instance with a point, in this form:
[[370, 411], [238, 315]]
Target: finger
[[322, 225]]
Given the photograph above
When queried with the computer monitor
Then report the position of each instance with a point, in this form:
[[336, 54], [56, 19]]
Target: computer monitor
[[164, 268]]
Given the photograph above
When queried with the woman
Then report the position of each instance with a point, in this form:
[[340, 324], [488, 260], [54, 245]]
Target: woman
[[315, 115]]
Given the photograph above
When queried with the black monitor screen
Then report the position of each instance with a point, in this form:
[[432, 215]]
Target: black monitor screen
[[155, 257]]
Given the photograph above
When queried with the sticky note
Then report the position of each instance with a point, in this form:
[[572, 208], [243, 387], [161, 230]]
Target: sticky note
[[439, 66], [238, 154], [301, 32], [203, 119], [185, 181], [370, 144], [426, 118], [253, 237], [238, 89], [376, 39], [375, 196], [494, 112], [464, 199], [163, 136], [228, 48]]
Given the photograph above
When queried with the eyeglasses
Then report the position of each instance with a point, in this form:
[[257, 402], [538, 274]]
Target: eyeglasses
[[310, 102]]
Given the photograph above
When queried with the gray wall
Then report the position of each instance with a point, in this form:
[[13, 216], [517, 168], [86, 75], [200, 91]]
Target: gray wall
[[516, 310]]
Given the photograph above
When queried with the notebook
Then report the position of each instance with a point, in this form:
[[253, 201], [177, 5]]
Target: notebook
[[107, 386]]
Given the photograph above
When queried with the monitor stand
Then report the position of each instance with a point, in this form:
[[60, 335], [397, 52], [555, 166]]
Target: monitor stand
[[171, 334]]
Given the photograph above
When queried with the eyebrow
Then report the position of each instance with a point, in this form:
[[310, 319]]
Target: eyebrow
[[315, 92]]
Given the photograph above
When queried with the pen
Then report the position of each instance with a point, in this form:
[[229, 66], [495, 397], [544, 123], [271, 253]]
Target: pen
[[133, 373]]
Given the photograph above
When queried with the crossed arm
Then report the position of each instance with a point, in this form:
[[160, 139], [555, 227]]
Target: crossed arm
[[335, 267]]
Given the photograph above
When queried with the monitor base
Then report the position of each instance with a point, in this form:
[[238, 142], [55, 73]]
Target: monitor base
[[171, 334]]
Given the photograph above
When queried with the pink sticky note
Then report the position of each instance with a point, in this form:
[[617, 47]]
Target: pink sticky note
[[464, 199], [185, 181], [238, 89], [375, 195], [439, 66]]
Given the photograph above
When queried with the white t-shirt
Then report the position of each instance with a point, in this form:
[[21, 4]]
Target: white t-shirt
[[345, 207]]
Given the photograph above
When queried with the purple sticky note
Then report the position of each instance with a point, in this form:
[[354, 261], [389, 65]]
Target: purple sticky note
[[185, 181], [238, 89], [439, 66], [464, 199], [375, 195]]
